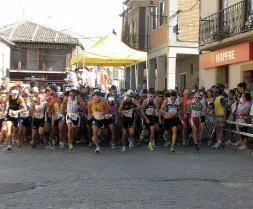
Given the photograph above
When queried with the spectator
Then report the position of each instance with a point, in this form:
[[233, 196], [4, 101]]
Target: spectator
[[210, 96], [242, 87], [242, 116]]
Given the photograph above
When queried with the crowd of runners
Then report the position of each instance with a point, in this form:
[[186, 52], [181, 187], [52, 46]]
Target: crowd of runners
[[70, 116]]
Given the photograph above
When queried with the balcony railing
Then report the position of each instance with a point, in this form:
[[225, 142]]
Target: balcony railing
[[34, 65], [228, 22]]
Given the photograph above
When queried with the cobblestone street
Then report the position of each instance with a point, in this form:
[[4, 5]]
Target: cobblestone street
[[136, 179]]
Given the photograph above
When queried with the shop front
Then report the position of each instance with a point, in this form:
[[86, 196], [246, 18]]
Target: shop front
[[229, 66]]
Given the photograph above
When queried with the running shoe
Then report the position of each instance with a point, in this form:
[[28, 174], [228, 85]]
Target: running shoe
[[242, 147], [113, 146], [197, 147], [166, 144], [131, 143], [153, 144], [9, 148], [71, 146], [97, 150], [90, 144], [172, 149], [123, 149], [142, 137], [151, 147], [218, 145], [61, 145], [184, 143]]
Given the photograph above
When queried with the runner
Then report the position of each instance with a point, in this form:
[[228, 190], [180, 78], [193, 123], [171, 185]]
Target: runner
[[38, 108], [3, 113], [127, 109], [110, 119], [48, 131], [149, 106], [195, 108], [16, 105], [185, 115], [58, 117], [170, 108], [24, 120], [158, 115], [73, 104], [97, 108]]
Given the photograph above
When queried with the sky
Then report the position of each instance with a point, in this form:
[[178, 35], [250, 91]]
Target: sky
[[90, 18]]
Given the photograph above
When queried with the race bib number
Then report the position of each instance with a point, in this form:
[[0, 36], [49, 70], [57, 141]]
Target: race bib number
[[129, 113], [24, 114], [99, 116], [173, 110], [13, 114], [73, 116], [38, 115], [196, 114], [57, 116], [107, 116], [150, 111]]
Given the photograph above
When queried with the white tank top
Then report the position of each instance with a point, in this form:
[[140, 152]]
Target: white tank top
[[39, 114], [72, 108]]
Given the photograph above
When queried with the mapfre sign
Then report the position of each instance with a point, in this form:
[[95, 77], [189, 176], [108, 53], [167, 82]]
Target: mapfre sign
[[230, 55]]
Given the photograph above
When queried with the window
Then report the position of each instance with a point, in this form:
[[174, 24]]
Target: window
[[154, 17], [161, 12], [165, 82]]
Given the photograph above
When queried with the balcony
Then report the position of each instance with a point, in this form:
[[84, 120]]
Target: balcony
[[34, 65], [135, 41], [226, 23]]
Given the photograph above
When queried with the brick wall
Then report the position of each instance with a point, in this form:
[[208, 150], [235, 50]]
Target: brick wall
[[188, 21]]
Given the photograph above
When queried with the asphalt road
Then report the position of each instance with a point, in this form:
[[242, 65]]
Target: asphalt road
[[81, 179]]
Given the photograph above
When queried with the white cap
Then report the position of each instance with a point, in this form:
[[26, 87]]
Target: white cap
[[60, 94], [68, 89], [129, 92], [110, 99], [36, 89]]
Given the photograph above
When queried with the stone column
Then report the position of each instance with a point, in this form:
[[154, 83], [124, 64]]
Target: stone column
[[139, 74], [151, 73], [127, 78], [171, 72], [161, 65], [132, 78]]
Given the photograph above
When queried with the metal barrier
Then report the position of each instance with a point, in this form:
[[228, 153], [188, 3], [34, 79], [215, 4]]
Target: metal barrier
[[237, 131]]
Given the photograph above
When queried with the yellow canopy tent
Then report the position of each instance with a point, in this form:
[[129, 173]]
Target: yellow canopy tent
[[109, 51]]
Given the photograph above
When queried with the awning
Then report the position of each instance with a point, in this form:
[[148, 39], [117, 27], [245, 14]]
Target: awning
[[109, 51]]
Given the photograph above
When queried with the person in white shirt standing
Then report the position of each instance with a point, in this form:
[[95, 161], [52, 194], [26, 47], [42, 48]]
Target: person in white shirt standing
[[72, 79]]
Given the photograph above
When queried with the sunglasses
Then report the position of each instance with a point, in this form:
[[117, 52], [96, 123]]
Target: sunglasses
[[161, 96], [197, 97]]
